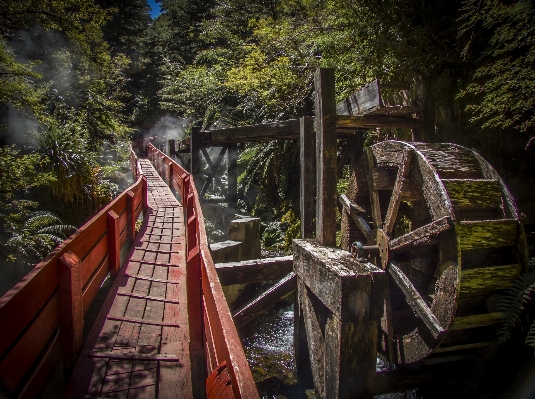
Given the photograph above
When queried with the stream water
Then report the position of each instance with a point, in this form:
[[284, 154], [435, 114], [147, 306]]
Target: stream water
[[268, 344]]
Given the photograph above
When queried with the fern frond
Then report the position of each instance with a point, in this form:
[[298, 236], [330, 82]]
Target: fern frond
[[513, 302], [530, 339]]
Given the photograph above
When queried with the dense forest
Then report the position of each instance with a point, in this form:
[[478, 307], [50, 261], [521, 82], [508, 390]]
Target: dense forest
[[80, 78]]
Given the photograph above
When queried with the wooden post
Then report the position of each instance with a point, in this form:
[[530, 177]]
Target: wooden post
[[170, 174], [71, 308], [195, 154], [130, 216], [114, 249], [307, 156], [232, 194], [172, 148], [341, 318], [325, 123], [145, 194]]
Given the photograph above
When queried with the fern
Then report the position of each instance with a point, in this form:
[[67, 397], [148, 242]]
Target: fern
[[513, 303], [530, 338]]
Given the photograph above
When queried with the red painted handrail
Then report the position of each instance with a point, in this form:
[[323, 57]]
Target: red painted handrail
[[42, 316], [209, 311]]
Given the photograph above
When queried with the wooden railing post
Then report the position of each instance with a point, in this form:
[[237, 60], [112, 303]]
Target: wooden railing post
[[130, 216], [145, 189], [325, 157], [114, 249], [71, 307], [169, 176]]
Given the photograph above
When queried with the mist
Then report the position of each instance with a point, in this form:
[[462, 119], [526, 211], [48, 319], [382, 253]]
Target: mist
[[167, 128]]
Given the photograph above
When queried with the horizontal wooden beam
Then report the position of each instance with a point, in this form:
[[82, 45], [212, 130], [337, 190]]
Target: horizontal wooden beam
[[266, 300], [358, 122], [270, 131], [254, 271]]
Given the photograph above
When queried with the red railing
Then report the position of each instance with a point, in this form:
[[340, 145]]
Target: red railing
[[42, 317], [214, 336]]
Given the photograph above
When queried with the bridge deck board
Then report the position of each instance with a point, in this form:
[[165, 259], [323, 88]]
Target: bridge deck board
[[158, 256]]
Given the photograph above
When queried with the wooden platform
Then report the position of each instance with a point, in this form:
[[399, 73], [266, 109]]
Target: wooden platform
[[138, 347]]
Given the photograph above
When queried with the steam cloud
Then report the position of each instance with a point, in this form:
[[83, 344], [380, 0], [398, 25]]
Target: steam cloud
[[167, 128]]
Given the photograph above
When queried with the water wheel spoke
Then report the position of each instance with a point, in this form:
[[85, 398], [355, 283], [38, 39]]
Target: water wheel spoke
[[395, 200], [374, 195], [422, 234], [353, 210], [415, 301]]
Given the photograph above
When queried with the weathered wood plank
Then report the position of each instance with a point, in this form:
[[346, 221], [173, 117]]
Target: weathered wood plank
[[422, 234], [415, 301], [252, 271], [330, 274], [266, 300], [444, 349], [362, 101], [450, 161], [361, 122], [353, 210], [473, 194], [488, 279], [374, 195], [490, 173], [307, 157], [270, 131], [486, 233], [395, 199], [325, 156], [475, 321]]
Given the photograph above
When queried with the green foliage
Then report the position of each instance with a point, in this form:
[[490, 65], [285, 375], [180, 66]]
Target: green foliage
[[36, 234], [502, 92], [513, 303], [18, 82], [19, 172]]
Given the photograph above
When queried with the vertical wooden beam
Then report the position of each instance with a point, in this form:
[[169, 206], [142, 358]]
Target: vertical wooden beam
[[130, 216], [114, 248], [232, 181], [195, 154], [301, 353], [325, 124], [145, 190], [71, 307], [172, 148], [307, 155]]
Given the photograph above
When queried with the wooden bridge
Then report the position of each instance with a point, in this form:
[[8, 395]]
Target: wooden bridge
[[164, 330]]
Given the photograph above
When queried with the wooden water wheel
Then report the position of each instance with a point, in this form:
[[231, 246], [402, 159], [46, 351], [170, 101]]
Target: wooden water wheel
[[443, 224]]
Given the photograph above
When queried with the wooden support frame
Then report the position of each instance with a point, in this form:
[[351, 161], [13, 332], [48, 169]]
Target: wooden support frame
[[232, 179], [195, 167], [325, 124]]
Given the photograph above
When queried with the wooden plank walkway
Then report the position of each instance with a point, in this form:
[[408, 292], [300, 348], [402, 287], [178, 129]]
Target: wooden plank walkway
[[139, 345]]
